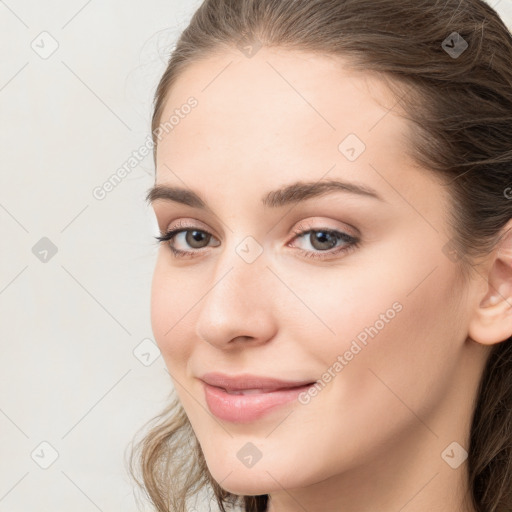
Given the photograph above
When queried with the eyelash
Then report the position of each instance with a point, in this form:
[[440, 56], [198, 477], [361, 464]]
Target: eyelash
[[353, 242]]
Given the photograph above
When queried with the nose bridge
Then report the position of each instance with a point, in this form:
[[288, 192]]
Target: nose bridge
[[238, 302], [240, 274]]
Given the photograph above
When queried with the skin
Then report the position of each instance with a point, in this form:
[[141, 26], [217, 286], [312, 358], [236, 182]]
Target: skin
[[372, 439]]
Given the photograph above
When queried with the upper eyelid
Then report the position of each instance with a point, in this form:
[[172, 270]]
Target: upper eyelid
[[303, 224], [184, 226], [301, 229]]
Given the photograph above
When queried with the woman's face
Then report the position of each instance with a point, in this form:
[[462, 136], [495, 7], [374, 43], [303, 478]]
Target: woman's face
[[316, 251]]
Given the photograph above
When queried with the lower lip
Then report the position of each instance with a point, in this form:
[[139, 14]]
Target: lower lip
[[247, 408]]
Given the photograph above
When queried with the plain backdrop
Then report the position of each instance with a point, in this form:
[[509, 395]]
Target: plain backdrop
[[79, 370]]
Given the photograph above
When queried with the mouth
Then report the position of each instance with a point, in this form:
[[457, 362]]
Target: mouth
[[261, 391], [250, 404], [246, 382]]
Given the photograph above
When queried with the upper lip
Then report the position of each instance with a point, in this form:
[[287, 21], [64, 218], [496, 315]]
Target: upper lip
[[248, 381]]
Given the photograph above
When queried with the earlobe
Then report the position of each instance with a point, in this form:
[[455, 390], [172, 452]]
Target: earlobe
[[491, 322]]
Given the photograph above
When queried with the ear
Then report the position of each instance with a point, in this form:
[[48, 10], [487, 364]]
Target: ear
[[491, 322]]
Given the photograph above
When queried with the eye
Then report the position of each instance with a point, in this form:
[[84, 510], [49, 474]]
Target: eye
[[324, 242], [193, 238], [180, 240]]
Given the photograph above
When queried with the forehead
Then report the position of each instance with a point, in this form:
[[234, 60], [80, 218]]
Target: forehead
[[286, 106]]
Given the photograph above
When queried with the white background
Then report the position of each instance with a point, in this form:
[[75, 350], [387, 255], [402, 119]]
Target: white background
[[69, 326]]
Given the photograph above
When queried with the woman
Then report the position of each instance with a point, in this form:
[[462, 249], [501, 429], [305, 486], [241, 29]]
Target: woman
[[333, 288]]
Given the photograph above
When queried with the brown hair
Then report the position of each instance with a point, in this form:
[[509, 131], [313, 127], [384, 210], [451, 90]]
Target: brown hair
[[460, 108]]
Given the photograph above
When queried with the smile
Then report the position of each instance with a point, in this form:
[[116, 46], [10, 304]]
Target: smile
[[248, 405]]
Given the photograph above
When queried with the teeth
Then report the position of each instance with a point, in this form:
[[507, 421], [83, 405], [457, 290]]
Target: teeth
[[249, 391], [254, 391]]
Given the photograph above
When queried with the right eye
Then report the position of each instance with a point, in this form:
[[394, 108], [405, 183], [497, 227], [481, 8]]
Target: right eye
[[192, 238]]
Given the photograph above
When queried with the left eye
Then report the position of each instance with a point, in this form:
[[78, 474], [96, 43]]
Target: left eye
[[324, 239]]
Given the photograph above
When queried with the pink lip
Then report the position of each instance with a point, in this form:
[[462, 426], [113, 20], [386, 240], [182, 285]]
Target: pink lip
[[250, 407]]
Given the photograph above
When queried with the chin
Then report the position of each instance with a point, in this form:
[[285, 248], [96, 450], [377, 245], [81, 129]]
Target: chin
[[245, 481], [248, 486]]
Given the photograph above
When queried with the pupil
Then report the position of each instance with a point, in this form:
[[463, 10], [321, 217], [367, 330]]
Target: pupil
[[323, 240], [194, 239]]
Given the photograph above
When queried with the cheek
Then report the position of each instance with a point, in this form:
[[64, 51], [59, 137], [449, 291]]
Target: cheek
[[172, 301], [399, 316], [397, 376], [424, 344], [400, 343]]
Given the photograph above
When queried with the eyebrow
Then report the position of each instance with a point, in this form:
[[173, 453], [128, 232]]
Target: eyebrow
[[289, 194]]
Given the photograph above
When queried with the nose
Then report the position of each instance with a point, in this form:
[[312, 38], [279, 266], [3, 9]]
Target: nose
[[238, 308]]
